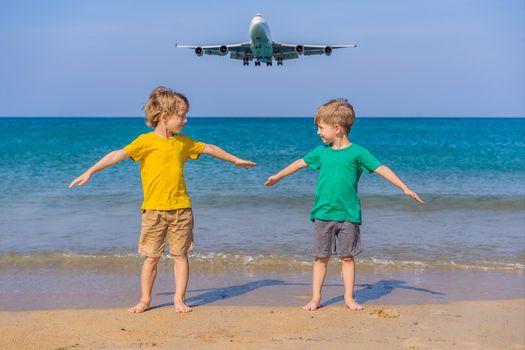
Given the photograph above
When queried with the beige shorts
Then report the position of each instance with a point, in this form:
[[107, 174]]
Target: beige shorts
[[157, 224]]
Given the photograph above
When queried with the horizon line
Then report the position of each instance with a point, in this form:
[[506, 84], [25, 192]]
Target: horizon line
[[253, 117]]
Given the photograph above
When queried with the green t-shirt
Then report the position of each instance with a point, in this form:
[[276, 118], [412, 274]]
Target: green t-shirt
[[339, 171]]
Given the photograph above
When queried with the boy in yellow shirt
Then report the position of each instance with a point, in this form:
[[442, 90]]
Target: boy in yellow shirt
[[166, 210]]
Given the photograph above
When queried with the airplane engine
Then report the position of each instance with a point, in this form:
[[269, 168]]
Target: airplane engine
[[299, 49], [199, 51], [223, 50], [327, 50]]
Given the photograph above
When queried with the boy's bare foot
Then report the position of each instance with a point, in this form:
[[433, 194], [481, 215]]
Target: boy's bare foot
[[181, 307], [312, 305], [353, 305], [139, 308]]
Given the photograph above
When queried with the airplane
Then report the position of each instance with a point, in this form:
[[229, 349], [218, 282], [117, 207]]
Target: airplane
[[262, 49]]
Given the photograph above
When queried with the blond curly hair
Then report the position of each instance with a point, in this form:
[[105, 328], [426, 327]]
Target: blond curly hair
[[163, 101]]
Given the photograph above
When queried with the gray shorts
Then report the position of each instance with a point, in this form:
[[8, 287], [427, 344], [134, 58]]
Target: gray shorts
[[336, 237]]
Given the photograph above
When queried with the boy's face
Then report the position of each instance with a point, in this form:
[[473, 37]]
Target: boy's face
[[328, 132], [175, 122]]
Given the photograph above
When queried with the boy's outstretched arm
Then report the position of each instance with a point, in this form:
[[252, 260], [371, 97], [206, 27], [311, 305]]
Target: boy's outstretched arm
[[221, 154], [289, 170], [108, 160], [388, 174]]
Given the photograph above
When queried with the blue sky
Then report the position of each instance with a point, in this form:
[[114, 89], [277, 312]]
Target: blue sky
[[414, 58]]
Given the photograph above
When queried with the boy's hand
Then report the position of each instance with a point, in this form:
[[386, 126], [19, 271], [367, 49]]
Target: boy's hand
[[81, 180], [245, 164], [272, 180], [414, 196]]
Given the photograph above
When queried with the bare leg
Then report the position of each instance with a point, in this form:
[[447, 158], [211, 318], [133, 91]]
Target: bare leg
[[318, 275], [181, 271], [147, 278], [348, 272]]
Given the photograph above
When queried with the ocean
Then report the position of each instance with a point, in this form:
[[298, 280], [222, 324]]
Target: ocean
[[469, 171]]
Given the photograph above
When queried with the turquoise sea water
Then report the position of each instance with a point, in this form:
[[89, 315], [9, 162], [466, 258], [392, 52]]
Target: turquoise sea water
[[471, 173]]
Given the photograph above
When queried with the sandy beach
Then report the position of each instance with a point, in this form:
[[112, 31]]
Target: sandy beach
[[497, 324]]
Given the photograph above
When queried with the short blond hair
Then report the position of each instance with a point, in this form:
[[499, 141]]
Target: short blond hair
[[163, 101], [336, 112]]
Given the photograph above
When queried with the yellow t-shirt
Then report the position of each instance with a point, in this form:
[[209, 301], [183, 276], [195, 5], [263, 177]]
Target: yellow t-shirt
[[161, 163]]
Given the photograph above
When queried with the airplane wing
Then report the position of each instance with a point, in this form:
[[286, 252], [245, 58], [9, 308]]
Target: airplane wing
[[237, 51], [281, 51], [290, 51]]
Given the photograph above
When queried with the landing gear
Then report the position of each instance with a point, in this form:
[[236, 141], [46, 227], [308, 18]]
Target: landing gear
[[257, 61], [246, 59], [279, 61]]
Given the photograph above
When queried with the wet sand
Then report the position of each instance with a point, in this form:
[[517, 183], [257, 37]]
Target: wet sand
[[38, 289], [497, 324]]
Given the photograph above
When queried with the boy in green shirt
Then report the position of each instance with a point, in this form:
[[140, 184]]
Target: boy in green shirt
[[336, 211]]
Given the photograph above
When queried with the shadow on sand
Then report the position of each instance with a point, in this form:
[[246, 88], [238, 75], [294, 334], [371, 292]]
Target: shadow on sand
[[366, 293], [377, 290], [212, 295]]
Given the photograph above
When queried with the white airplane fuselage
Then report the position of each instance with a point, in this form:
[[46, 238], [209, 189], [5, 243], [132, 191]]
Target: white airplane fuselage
[[261, 42]]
